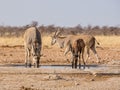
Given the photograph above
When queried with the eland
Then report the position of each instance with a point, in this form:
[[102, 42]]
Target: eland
[[65, 42], [32, 44]]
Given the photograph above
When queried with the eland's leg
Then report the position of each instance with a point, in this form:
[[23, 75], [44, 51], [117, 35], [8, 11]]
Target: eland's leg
[[29, 59], [95, 53], [26, 57], [88, 54], [67, 50]]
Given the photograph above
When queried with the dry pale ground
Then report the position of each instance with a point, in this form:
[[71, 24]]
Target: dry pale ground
[[21, 78], [17, 78], [55, 79]]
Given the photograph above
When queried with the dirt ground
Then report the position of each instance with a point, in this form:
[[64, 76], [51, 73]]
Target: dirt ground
[[14, 78]]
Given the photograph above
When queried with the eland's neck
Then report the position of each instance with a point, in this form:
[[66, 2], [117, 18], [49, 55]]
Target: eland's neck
[[61, 41]]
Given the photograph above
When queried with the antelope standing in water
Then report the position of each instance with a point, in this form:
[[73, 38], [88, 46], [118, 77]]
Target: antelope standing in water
[[32, 44], [65, 42], [77, 49]]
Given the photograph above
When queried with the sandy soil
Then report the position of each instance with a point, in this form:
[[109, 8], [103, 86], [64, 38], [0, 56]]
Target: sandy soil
[[54, 55], [15, 78]]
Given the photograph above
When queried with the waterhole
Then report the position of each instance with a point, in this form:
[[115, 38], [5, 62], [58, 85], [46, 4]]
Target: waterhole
[[93, 66]]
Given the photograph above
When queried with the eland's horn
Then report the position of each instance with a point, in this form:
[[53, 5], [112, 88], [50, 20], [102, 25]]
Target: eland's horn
[[58, 32]]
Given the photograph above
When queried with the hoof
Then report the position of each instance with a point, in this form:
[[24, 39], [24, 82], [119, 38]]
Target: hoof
[[26, 65], [30, 65]]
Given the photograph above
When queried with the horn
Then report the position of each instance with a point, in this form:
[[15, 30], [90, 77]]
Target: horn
[[58, 32], [55, 33]]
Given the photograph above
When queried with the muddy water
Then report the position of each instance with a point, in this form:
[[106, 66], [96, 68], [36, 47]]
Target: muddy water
[[61, 69], [90, 67]]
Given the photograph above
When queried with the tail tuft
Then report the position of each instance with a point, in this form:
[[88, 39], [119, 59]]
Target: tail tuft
[[98, 43]]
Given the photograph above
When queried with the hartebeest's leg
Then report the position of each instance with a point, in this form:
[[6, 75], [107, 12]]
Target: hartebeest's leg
[[37, 64], [79, 61], [76, 60], [83, 57], [72, 61]]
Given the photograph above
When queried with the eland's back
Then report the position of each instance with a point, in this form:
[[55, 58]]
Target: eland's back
[[31, 35], [89, 41]]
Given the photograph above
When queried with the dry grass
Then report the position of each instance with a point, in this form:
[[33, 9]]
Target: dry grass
[[109, 41], [46, 41], [11, 41], [105, 41]]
